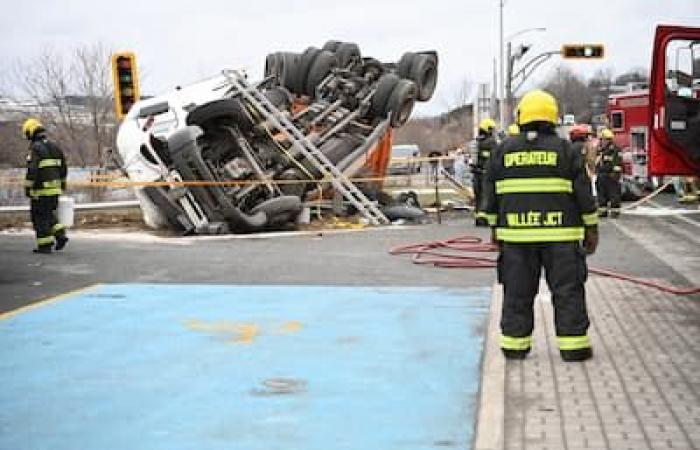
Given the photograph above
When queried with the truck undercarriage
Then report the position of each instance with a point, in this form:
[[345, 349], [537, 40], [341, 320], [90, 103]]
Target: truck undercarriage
[[232, 156]]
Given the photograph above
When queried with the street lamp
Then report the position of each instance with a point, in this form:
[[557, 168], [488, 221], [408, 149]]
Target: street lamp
[[508, 106]]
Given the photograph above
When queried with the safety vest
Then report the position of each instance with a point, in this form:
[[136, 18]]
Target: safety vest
[[538, 191], [46, 169]]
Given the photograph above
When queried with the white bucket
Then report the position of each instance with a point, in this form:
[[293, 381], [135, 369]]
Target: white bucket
[[304, 216], [66, 210]]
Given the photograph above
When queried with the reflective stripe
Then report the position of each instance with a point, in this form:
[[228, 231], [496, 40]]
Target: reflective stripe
[[44, 192], [44, 240], [534, 185], [590, 219], [491, 219], [526, 235], [573, 342], [485, 153], [516, 343], [58, 227], [480, 215], [28, 183], [52, 184], [49, 163], [617, 169]]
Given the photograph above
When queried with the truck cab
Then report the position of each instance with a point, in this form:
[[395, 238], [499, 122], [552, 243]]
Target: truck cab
[[674, 102]]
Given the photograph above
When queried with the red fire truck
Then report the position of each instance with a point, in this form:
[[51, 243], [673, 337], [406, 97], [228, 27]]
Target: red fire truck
[[628, 116], [659, 128]]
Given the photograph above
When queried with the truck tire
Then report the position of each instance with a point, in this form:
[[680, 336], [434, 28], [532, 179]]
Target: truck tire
[[323, 64], [403, 68], [305, 63], [424, 74], [291, 71], [381, 97], [227, 111], [400, 104], [347, 52], [273, 64], [331, 46]]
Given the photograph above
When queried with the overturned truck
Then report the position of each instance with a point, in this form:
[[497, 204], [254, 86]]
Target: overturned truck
[[227, 155]]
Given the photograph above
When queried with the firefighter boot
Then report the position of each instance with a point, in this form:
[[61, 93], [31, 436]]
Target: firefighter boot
[[61, 241], [580, 354], [43, 249]]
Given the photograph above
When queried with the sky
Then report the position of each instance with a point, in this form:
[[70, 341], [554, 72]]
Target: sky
[[179, 42]]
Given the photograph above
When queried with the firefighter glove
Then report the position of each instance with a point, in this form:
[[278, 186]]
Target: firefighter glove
[[590, 240]]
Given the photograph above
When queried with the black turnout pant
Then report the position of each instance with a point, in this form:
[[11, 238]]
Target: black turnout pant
[[609, 192], [519, 269], [46, 226]]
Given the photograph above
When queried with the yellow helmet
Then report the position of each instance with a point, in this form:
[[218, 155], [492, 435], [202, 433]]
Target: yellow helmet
[[537, 106], [605, 133], [30, 127], [487, 124], [513, 129]]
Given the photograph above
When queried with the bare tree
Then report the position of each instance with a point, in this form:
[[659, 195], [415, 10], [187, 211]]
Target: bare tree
[[571, 91], [72, 96], [91, 71]]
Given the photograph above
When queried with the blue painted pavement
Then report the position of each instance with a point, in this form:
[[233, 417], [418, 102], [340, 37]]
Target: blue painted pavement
[[243, 367]]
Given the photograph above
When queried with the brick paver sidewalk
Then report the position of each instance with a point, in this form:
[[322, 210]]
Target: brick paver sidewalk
[[641, 390]]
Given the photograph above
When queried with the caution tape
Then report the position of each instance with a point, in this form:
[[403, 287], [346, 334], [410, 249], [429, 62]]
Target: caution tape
[[164, 183]]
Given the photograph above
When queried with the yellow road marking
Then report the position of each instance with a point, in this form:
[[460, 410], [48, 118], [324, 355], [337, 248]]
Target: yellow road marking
[[46, 301]]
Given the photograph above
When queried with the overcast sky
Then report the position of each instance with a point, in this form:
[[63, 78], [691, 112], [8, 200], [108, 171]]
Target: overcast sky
[[178, 42]]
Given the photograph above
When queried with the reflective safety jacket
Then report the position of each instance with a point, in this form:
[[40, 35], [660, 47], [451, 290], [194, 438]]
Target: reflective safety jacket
[[609, 160], [538, 191], [486, 143], [46, 169]]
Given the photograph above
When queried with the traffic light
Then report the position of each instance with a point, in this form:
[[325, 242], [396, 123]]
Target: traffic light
[[583, 51], [126, 82]]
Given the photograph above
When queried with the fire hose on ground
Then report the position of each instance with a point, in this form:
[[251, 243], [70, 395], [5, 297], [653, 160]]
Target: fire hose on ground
[[463, 252]]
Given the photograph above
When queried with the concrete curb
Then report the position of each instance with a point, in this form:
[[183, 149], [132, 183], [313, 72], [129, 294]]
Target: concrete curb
[[491, 417]]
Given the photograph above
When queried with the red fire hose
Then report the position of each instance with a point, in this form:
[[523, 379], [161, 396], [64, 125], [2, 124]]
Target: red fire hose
[[463, 252]]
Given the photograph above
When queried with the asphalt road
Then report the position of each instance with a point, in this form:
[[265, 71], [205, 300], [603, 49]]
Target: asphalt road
[[353, 258]]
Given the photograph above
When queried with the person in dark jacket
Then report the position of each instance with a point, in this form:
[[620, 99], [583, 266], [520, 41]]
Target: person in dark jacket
[[486, 143], [540, 207], [45, 181], [608, 176]]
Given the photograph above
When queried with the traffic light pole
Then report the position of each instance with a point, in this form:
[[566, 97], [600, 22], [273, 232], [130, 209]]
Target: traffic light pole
[[526, 71]]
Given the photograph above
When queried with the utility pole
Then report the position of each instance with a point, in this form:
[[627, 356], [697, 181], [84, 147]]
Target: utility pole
[[501, 116]]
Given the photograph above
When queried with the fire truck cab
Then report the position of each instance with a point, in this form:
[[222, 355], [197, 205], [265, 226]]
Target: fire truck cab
[[674, 102]]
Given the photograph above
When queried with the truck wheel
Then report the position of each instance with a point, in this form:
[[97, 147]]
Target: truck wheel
[[385, 87], [400, 104], [302, 69], [331, 46], [424, 74], [226, 111], [323, 64], [291, 71], [403, 69], [347, 52]]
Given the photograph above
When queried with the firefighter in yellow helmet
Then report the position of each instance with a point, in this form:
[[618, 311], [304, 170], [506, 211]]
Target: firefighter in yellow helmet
[[540, 206], [608, 175], [486, 142], [45, 181]]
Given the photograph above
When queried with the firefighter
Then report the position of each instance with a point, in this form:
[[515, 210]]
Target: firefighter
[[486, 142], [608, 176], [540, 208], [45, 181], [580, 142]]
